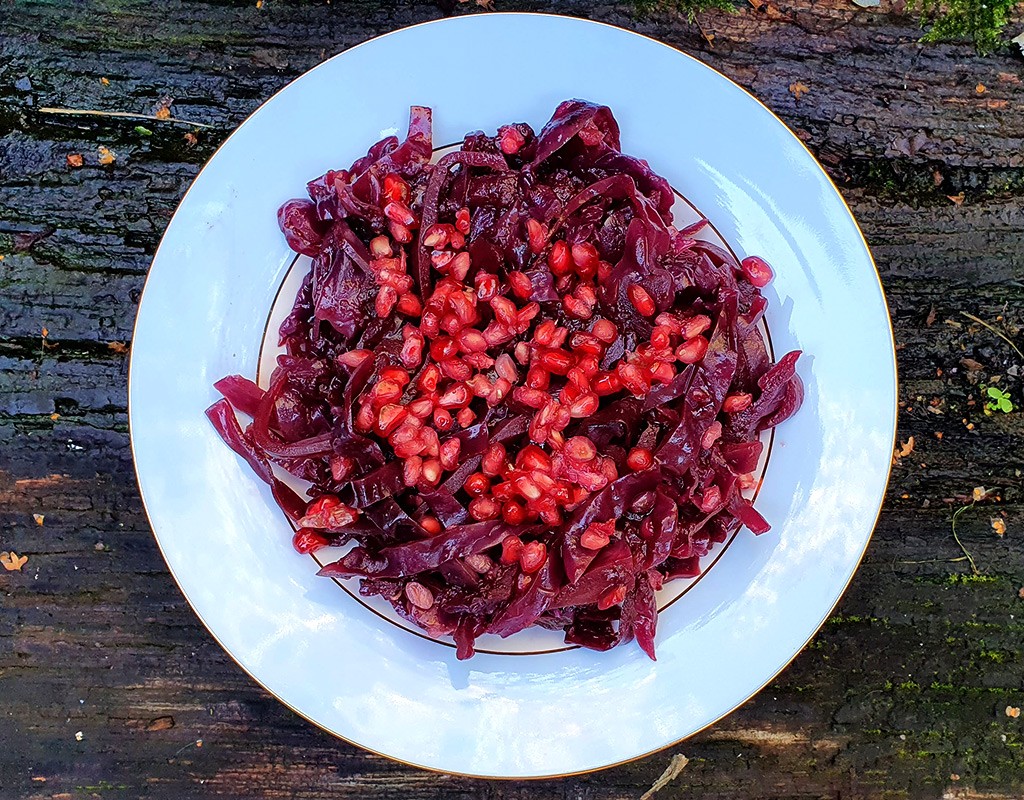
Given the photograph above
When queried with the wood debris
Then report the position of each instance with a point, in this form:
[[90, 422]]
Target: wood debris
[[162, 109], [998, 526], [798, 89], [106, 155], [980, 89], [1012, 712], [160, 723], [39, 519], [117, 347], [12, 562], [74, 160], [957, 199]]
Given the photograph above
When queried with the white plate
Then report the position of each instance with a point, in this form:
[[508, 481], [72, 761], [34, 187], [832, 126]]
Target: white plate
[[318, 650]]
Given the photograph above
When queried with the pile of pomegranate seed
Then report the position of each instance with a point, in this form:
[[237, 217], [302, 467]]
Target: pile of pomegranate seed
[[525, 395]]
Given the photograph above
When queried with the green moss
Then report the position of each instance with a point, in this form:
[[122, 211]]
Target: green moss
[[689, 7], [981, 21], [966, 579]]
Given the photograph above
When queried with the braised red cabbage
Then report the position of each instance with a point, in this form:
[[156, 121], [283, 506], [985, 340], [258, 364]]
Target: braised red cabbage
[[524, 393]]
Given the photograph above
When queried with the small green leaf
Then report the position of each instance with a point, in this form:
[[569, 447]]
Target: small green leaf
[[142, 131]]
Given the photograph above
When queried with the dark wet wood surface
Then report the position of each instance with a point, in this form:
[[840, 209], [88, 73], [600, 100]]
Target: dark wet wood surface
[[903, 694]]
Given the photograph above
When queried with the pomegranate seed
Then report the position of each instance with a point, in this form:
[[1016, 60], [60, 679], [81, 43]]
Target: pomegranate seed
[[399, 212], [511, 549], [597, 535], [482, 508], [443, 347], [455, 368], [430, 324], [465, 417], [538, 378], [544, 334], [494, 460], [641, 300], [476, 484], [522, 286], [504, 310], [736, 402], [364, 419], [479, 563], [422, 407], [419, 595], [308, 541], [605, 383], [443, 419], [496, 334], [586, 343], [408, 449], [503, 492], [486, 286], [745, 481], [536, 235], [533, 398], [533, 556], [395, 375], [522, 353], [412, 469], [431, 525], [354, 358], [410, 305], [757, 271], [694, 326], [585, 406], [692, 351], [385, 302], [459, 267], [456, 396], [514, 513], [661, 373], [633, 379], [462, 220], [390, 417], [585, 255], [670, 322], [456, 240], [341, 467], [412, 349], [661, 337], [506, 367], [527, 488], [471, 340], [395, 188], [532, 457], [501, 388], [711, 435], [711, 499], [559, 337], [449, 453], [510, 140], [592, 481], [559, 259], [639, 458], [551, 516], [580, 449], [432, 471], [427, 381], [380, 247], [479, 385], [576, 308], [604, 271], [557, 361], [386, 391], [327, 512], [478, 360], [400, 233], [612, 598], [570, 392], [451, 324], [436, 237]]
